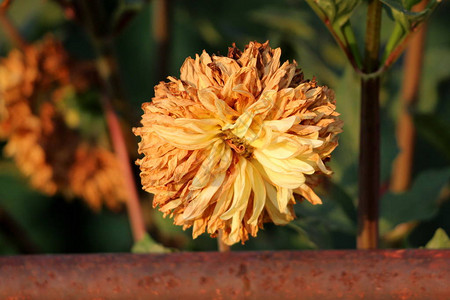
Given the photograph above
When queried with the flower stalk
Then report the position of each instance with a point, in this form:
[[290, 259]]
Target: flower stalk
[[369, 159], [161, 33], [118, 140], [222, 247], [106, 66]]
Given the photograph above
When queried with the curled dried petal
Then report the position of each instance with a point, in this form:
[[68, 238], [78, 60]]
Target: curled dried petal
[[228, 145]]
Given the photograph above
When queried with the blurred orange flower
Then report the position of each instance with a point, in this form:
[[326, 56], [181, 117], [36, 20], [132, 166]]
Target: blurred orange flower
[[227, 145], [40, 136]]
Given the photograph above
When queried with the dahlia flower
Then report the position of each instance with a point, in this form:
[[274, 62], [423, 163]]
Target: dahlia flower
[[228, 144], [45, 146]]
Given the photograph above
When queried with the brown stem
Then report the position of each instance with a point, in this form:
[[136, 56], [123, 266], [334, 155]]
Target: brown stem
[[395, 54], [133, 205], [220, 244], [369, 158], [402, 166], [5, 5], [369, 164], [94, 19], [16, 234], [161, 32], [11, 30]]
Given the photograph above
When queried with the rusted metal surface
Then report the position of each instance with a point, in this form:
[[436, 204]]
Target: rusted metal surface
[[350, 274]]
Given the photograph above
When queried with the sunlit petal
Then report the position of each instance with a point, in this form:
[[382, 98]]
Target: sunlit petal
[[226, 146]]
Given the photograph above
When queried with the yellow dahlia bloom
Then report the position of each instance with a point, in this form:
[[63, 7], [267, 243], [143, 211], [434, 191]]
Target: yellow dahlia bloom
[[228, 144], [54, 155]]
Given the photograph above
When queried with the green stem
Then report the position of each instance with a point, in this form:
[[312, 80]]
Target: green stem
[[317, 10], [337, 30], [369, 159], [399, 38], [352, 43], [340, 36], [398, 33]]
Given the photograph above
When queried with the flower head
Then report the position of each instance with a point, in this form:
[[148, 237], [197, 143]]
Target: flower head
[[228, 144], [46, 147]]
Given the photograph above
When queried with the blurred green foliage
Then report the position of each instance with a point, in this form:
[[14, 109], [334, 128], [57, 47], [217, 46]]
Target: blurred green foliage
[[59, 226], [440, 240]]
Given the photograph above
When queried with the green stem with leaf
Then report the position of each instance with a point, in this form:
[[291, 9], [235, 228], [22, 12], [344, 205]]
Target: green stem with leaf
[[370, 71], [352, 43], [343, 35]]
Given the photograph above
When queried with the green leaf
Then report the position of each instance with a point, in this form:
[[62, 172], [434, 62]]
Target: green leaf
[[148, 245], [405, 20], [401, 5], [440, 240], [419, 203], [338, 12], [401, 13], [303, 237], [435, 130]]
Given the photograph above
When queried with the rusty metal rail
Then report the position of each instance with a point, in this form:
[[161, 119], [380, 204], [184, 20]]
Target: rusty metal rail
[[349, 274]]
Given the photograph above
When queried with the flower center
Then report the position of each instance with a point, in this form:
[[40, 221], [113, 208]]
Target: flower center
[[239, 145]]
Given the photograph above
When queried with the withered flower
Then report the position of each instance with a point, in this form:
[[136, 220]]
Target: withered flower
[[228, 144], [96, 177], [40, 138]]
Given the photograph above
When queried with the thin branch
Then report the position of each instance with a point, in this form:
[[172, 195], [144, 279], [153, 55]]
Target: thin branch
[[343, 44], [402, 167], [10, 29], [133, 205], [5, 5], [346, 43], [353, 44], [161, 33], [94, 20]]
